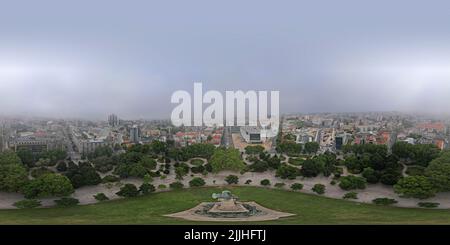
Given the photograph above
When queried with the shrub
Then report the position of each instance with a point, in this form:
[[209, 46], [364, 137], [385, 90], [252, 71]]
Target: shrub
[[296, 186], [27, 203], [279, 185], [352, 182], [350, 195], [333, 182], [66, 202], [248, 182], [232, 179], [176, 185], [101, 197], [265, 182], [110, 178], [162, 186], [319, 189], [384, 201], [428, 204], [196, 182], [128, 190], [146, 188]]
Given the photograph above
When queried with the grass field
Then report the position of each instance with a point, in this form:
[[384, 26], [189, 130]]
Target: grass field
[[309, 209]]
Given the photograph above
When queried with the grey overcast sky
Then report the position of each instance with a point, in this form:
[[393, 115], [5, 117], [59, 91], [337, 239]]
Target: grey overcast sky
[[91, 58]]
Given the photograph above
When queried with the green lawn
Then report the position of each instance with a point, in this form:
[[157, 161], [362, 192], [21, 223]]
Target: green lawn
[[310, 209]]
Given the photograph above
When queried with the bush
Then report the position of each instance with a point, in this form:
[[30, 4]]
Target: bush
[[296, 186], [384, 201], [333, 182], [101, 197], [176, 185], [27, 203], [279, 185], [162, 186], [196, 182], [110, 178], [319, 189], [232, 179], [265, 182], [248, 182], [128, 190], [352, 182], [66, 202], [350, 195], [146, 188], [428, 204]]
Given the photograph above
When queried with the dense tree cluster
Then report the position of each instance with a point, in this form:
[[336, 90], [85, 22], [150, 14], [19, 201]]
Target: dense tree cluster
[[13, 175], [419, 154], [49, 185], [226, 159], [82, 174]]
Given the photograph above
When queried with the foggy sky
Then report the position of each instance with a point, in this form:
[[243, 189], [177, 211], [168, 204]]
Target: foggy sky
[[91, 58]]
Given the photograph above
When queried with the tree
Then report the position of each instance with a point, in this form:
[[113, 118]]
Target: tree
[[438, 172], [265, 182], [128, 190], [232, 179], [147, 188], [49, 185], [311, 147], [311, 168], [26, 156], [287, 172], [289, 147], [196, 182], [390, 177], [415, 186], [370, 175], [82, 174], [254, 149], [352, 182], [296, 186], [226, 159], [319, 189], [176, 185], [12, 177]]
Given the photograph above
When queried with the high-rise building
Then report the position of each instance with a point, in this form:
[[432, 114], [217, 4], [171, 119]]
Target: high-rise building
[[113, 120], [134, 134]]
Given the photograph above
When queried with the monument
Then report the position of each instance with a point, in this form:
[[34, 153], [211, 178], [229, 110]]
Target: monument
[[229, 208]]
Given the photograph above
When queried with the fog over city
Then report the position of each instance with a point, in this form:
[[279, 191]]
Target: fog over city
[[88, 59]]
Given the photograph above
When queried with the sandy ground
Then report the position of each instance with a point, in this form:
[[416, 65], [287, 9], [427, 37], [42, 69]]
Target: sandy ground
[[85, 194]]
